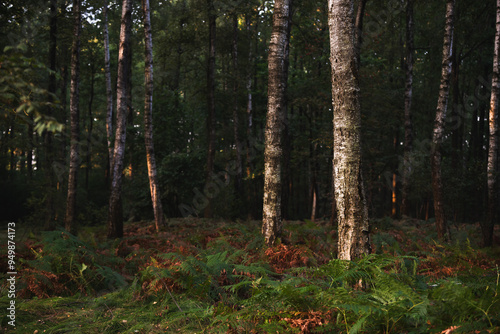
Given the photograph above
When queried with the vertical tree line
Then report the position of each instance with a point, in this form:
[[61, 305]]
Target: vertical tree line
[[243, 107]]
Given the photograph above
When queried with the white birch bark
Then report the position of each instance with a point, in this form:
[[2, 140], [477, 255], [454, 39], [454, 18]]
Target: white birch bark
[[352, 214], [492, 169], [276, 104]]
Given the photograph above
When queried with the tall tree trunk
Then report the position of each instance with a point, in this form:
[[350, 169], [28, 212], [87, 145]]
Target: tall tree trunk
[[148, 117], [408, 143], [88, 157], [492, 169], [109, 90], [236, 79], [74, 162], [276, 108], [249, 116], [115, 215], [439, 124], [48, 136], [352, 213], [211, 100], [286, 135]]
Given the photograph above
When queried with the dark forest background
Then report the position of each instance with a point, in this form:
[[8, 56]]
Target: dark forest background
[[34, 161]]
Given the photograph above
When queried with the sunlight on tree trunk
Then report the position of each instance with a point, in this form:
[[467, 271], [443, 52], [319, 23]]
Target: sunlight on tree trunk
[[148, 118], [352, 213], [492, 169]]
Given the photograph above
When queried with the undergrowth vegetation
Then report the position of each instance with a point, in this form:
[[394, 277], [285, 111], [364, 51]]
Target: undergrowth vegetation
[[206, 276]]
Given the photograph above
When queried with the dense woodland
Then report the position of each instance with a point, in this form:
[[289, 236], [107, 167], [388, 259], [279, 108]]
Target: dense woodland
[[193, 146], [36, 75]]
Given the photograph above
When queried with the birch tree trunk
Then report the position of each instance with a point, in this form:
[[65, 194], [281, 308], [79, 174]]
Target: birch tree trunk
[[109, 91], [211, 100], [408, 143], [352, 213], [115, 215], [492, 169], [276, 107], [439, 123], [148, 117], [74, 162]]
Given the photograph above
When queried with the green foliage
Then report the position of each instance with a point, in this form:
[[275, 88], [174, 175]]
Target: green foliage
[[66, 264]]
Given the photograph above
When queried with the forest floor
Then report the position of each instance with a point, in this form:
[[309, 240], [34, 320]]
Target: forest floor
[[215, 276]]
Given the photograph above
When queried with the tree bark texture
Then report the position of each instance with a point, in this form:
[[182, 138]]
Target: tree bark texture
[[352, 213], [276, 108], [439, 124], [211, 100], [115, 215], [408, 141], [148, 117], [109, 91], [74, 162], [492, 169], [236, 79]]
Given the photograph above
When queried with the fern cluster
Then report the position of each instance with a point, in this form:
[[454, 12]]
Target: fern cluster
[[65, 265]]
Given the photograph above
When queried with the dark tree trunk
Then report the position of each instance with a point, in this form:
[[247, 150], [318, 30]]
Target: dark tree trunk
[[88, 157], [211, 100], [276, 109], [148, 118], [492, 170], [249, 116], [109, 90], [408, 140], [439, 125], [48, 137], [74, 162], [236, 79], [115, 215], [352, 213]]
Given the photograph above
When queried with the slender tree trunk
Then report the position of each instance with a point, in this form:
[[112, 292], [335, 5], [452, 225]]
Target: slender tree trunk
[[359, 28], [109, 90], [236, 79], [249, 98], [352, 213], [74, 162], [115, 215], [286, 135], [276, 108], [148, 117], [408, 143], [88, 161], [48, 136], [492, 169], [211, 100], [439, 124]]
